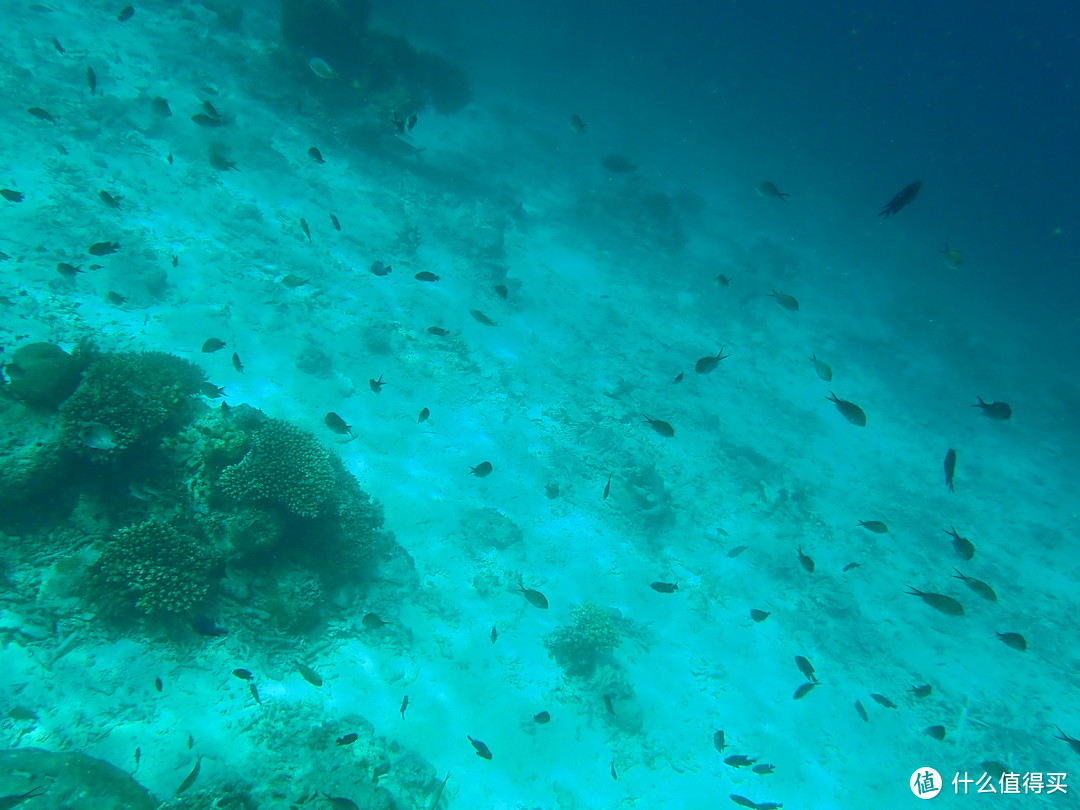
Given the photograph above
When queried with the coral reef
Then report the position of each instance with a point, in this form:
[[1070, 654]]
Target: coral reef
[[286, 466], [42, 375], [75, 781], [156, 566], [581, 645]]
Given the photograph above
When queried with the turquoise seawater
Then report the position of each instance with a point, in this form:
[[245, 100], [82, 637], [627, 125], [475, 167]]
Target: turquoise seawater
[[412, 405]]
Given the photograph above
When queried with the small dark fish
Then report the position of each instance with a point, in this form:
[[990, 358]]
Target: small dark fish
[[158, 684], [788, 302], [577, 124], [482, 750], [481, 470], [849, 567], [882, 700], [11, 195], [661, 427], [977, 585], [849, 410], [413, 118], [341, 803], [607, 487], [69, 270], [618, 164], [304, 227], [404, 706], [109, 199], [735, 552], [372, 621], [804, 689], [424, 275], [337, 424], [175, 260], [718, 741], [242, 674], [17, 799], [126, 14], [614, 775], [764, 768], [903, 198], [254, 692], [921, 691], [189, 780], [664, 587], [938, 601], [541, 718], [963, 547], [822, 368], [236, 363], [292, 282], [59, 48], [950, 469], [1001, 411], [480, 317], [739, 761], [805, 561], [423, 415], [1014, 640], [723, 280], [552, 490], [22, 713], [678, 378], [502, 291], [805, 668], [44, 115], [376, 385], [770, 191], [534, 598], [875, 526], [334, 221], [308, 674], [91, 80], [138, 759], [1072, 742], [204, 120], [347, 739], [208, 389], [708, 364], [379, 269], [438, 330], [205, 626], [759, 615], [861, 711], [494, 634], [104, 248], [211, 345], [937, 732], [161, 107], [609, 705], [316, 155]]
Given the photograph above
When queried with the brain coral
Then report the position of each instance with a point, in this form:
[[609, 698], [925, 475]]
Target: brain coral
[[157, 566], [285, 465]]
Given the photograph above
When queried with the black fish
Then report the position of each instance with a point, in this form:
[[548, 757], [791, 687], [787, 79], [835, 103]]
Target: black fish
[[304, 227], [881, 700], [1014, 640], [424, 275], [678, 378], [937, 732], [708, 364], [404, 706], [205, 626], [160, 106], [337, 424], [125, 14], [875, 526], [938, 601], [423, 415], [534, 598], [69, 270], [805, 668], [91, 79], [759, 615], [348, 739], [481, 749], [718, 741], [480, 317], [614, 775], [664, 587], [372, 621], [963, 547], [742, 801], [950, 468], [315, 155], [849, 410], [376, 385], [494, 634], [158, 684], [906, 195], [804, 689], [542, 717], [552, 490], [481, 470], [739, 761], [379, 269], [335, 223], [104, 248], [211, 345], [788, 302], [977, 585], [438, 330], [502, 291], [806, 561], [236, 363], [1001, 411], [11, 195], [242, 674], [204, 120], [607, 487], [189, 780], [921, 691], [59, 48], [661, 427], [861, 711], [44, 115], [109, 199]]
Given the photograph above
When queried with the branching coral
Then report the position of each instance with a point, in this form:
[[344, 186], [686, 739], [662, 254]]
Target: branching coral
[[158, 567], [579, 646], [285, 465]]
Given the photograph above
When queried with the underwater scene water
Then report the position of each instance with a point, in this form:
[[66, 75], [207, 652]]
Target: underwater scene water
[[539, 406]]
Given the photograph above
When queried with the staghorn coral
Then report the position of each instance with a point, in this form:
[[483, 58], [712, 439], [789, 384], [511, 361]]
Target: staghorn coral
[[156, 566], [285, 465], [579, 646], [138, 395]]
